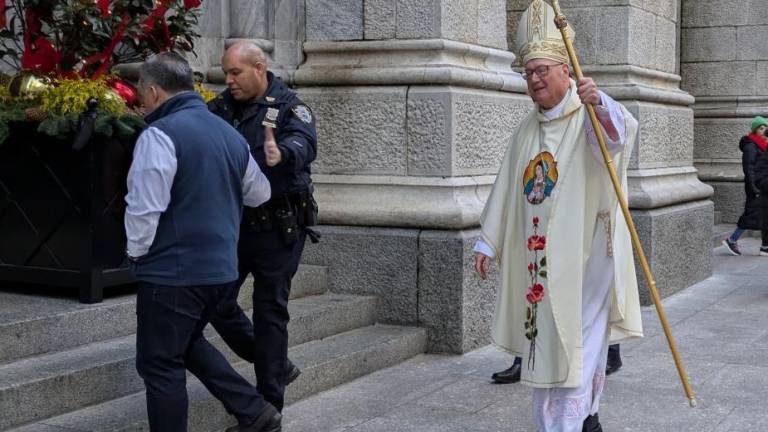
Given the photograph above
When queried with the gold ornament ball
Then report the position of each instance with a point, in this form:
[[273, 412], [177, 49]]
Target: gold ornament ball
[[28, 85]]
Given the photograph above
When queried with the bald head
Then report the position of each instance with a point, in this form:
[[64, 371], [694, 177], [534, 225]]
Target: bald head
[[245, 70], [247, 51]]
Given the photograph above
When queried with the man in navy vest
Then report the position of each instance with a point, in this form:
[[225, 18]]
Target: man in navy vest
[[190, 176]]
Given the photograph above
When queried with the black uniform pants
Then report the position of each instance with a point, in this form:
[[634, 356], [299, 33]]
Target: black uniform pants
[[169, 339], [265, 342]]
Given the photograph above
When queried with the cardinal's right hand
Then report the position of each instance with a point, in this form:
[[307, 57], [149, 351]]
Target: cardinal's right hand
[[482, 265]]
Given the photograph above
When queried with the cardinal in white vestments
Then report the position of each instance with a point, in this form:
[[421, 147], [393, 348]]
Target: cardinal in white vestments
[[554, 226]]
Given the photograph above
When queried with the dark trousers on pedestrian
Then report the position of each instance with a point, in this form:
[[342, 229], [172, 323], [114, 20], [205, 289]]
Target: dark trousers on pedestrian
[[764, 214], [265, 341], [169, 339]]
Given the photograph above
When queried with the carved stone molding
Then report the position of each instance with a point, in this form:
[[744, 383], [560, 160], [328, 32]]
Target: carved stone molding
[[654, 188], [408, 62], [394, 201], [627, 82]]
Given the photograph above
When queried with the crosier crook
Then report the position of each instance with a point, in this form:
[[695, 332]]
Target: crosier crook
[[562, 24]]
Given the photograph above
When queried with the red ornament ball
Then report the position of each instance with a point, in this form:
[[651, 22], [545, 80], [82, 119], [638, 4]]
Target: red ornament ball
[[125, 90]]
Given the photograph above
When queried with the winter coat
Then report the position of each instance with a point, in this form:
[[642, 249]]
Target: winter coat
[[751, 153], [760, 173]]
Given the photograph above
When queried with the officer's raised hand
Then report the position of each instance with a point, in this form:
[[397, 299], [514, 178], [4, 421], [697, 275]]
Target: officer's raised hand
[[271, 151]]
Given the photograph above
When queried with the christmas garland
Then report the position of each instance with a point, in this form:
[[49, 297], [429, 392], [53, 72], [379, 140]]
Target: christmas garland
[[63, 51], [57, 108]]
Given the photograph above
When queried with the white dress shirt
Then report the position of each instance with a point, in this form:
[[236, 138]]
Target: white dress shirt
[[150, 179]]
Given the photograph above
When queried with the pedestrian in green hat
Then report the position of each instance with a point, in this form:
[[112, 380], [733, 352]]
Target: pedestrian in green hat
[[752, 147]]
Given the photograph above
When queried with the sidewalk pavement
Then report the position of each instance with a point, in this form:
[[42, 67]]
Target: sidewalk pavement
[[721, 326]]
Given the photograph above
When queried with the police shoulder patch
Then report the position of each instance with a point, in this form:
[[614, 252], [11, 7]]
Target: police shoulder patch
[[303, 113]]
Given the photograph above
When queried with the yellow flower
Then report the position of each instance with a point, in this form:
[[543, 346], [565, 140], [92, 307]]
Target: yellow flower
[[71, 95], [5, 94], [206, 93]]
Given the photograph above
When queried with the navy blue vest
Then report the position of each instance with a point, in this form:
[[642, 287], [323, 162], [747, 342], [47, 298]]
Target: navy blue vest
[[196, 240]]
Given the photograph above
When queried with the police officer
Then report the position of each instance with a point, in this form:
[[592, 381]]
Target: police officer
[[280, 129]]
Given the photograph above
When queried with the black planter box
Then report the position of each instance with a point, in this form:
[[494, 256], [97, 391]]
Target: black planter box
[[61, 211]]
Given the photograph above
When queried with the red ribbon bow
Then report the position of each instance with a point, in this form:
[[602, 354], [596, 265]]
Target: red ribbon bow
[[39, 56], [159, 14], [104, 6], [106, 56]]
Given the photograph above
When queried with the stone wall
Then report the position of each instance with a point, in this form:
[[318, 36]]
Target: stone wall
[[415, 103], [214, 28], [470, 21], [278, 27], [617, 32], [724, 64]]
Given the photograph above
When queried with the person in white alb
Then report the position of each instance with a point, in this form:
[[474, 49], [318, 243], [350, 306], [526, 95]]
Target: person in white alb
[[190, 176], [568, 278]]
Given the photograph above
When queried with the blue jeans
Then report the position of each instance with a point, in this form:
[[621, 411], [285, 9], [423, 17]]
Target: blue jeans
[[169, 339], [736, 235]]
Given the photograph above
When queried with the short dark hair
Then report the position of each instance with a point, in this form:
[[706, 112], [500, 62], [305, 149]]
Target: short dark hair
[[169, 71]]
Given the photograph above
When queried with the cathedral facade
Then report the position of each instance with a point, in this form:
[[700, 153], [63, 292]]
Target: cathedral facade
[[416, 101]]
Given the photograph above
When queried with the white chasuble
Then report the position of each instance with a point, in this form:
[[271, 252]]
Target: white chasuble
[[540, 220]]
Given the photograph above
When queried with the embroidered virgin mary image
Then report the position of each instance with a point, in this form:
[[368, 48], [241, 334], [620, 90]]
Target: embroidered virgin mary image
[[540, 178]]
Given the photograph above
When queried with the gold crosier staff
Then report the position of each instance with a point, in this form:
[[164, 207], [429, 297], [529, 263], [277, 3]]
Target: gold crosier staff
[[562, 23]]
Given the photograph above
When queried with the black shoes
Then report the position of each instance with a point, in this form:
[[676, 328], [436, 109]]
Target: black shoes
[[613, 365], [270, 420], [509, 376], [732, 247], [592, 424], [292, 373], [614, 359]]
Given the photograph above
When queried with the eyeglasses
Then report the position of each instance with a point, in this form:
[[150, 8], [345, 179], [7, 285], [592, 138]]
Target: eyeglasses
[[540, 71]]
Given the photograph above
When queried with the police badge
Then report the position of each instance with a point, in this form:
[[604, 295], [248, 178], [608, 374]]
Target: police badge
[[303, 113], [270, 119]]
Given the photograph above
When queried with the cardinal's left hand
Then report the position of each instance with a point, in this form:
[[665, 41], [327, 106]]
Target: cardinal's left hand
[[587, 90]]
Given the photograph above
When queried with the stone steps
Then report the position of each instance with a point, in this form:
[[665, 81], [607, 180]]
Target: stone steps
[[308, 280], [50, 384], [325, 364], [33, 325], [65, 366]]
